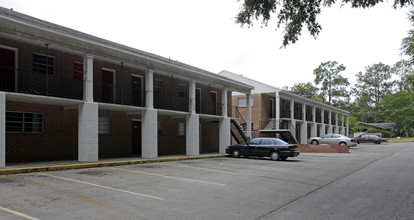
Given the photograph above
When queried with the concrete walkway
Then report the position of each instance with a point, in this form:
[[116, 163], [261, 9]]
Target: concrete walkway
[[29, 167]]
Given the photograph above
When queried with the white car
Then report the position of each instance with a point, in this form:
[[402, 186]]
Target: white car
[[333, 139]]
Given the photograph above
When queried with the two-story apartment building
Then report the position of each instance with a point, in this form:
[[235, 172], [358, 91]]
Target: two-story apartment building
[[65, 94], [274, 109]]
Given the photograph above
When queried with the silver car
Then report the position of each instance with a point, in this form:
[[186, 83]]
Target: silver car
[[333, 139]]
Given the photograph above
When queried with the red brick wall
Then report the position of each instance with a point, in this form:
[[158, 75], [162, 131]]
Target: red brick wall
[[119, 142], [59, 141], [170, 142]]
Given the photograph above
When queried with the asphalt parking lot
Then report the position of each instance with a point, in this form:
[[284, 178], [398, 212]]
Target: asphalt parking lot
[[217, 188]]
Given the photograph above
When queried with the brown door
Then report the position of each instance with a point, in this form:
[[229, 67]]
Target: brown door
[[107, 86], [271, 110], [136, 137], [7, 65], [136, 91], [213, 103], [198, 100]]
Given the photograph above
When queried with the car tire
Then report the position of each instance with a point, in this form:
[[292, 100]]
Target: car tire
[[274, 155], [235, 153], [283, 158], [314, 142], [342, 143], [357, 142]]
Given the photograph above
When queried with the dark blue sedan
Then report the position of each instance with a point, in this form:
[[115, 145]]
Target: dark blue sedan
[[274, 148]]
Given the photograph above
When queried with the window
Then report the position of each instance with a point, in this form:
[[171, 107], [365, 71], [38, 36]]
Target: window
[[158, 86], [41, 66], [21, 122], [181, 91], [78, 70], [241, 102], [104, 125], [181, 129], [160, 129], [266, 142]]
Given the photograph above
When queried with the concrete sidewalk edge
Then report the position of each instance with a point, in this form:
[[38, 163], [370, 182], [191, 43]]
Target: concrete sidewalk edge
[[101, 164]]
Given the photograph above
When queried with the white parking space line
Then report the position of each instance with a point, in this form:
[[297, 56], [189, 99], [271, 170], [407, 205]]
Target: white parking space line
[[200, 168], [170, 177], [17, 213], [100, 186]]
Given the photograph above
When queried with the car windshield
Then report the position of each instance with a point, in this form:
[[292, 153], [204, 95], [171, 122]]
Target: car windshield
[[278, 141]]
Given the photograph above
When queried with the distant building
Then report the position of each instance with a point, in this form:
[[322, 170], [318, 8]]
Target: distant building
[[276, 109]]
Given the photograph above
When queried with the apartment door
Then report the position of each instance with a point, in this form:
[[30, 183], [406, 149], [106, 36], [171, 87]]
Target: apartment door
[[198, 100], [137, 94], [272, 109], [7, 70], [107, 86], [213, 109], [136, 137]]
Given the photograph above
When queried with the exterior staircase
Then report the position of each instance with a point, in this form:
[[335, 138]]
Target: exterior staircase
[[284, 134], [238, 133]]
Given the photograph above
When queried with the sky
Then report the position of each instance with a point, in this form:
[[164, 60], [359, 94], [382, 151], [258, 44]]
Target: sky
[[203, 33]]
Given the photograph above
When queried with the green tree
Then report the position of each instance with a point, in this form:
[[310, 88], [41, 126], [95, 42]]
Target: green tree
[[306, 90], [403, 69], [374, 84], [398, 108], [333, 84], [294, 14], [407, 45]]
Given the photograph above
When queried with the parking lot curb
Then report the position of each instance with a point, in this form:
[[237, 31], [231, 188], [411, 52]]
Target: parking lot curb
[[100, 164]]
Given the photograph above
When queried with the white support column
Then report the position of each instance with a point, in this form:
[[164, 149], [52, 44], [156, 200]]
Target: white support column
[[88, 78], [314, 125], [224, 134], [149, 87], [249, 116], [342, 125], [150, 133], [2, 129], [192, 135], [192, 129], [336, 123], [191, 96], [292, 125], [88, 148], [330, 122], [347, 126], [322, 128], [304, 127], [224, 103], [277, 109]]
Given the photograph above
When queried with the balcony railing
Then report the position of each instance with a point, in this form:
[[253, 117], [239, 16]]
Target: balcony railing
[[318, 119], [285, 114], [169, 102], [209, 108], [298, 115], [118, 94], [29, 82]]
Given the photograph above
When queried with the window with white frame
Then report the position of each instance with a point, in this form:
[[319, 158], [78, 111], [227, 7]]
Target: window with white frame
[[181, 129], [158, 86], [242, 102], [160, 129], [182, 91], [104, 125], [40, 65], [24, 122]]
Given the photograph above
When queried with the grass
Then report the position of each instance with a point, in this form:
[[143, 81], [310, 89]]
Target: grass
[[401, 140]]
